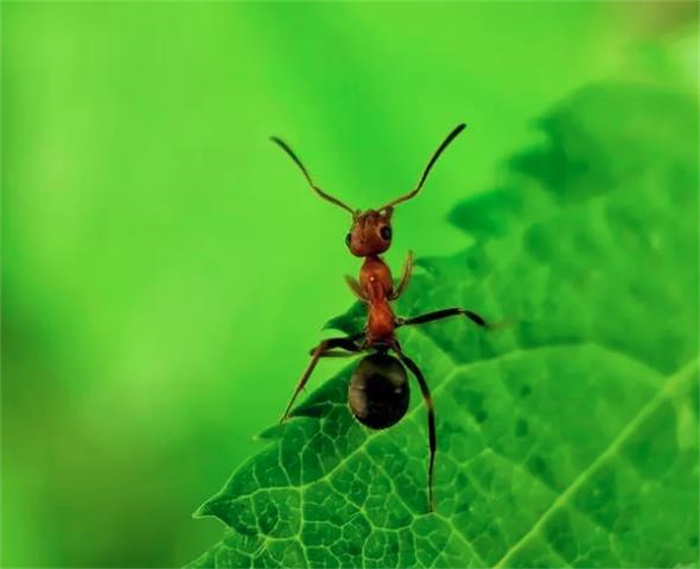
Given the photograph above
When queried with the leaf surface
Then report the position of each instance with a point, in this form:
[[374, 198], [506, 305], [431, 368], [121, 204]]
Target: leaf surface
[[568, 437]]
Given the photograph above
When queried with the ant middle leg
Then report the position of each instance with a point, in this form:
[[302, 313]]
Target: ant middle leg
[[444, 313], [328, 346]]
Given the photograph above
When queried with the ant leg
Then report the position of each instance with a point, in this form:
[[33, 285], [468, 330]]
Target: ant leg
[[356, 289], [337, 354], [407, 270], [432, 439], [318, 352], [350, 344], [444, 313]]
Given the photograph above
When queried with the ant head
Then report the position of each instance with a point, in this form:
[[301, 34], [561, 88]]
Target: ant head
[[370, 233]]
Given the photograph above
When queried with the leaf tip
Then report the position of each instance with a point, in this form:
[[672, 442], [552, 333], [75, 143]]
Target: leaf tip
[[204, 511]]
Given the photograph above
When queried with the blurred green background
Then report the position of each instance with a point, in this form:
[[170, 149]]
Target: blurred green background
[[165, 268]]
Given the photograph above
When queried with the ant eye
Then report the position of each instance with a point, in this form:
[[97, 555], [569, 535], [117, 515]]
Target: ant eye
[[385, 232], [348, 239]]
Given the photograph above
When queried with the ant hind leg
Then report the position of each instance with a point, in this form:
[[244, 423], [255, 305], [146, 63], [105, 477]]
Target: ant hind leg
[[427, 397], [327, 346]]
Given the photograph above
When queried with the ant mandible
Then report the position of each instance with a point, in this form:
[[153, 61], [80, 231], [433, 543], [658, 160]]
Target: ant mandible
[[378, 394]]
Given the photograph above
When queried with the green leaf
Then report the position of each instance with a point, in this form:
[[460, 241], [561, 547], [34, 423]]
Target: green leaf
[[351, 322], [568, 437]]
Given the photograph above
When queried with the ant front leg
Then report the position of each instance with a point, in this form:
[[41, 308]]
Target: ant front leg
[[406, 276], [356, 289], [428, 398], [325, 347], [444, 313]]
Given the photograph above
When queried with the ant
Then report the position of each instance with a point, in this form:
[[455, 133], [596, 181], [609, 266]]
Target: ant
[[378, 394]]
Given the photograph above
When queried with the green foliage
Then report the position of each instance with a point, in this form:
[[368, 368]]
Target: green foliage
[[351, 321], [567, 437]]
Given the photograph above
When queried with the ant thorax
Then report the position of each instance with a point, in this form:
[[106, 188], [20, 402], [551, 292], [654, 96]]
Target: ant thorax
[[381, 322], [375, 270], [378, 288]]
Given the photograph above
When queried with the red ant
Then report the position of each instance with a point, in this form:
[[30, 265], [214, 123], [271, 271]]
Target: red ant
[[378, 394]]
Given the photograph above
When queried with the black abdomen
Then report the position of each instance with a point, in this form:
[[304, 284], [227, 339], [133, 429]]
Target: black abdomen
[[378, 394]]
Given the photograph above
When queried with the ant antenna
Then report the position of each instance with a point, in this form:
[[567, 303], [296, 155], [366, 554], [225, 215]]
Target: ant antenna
[[318, 190], [433, 159]]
